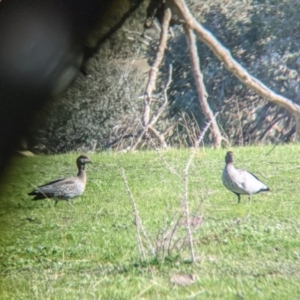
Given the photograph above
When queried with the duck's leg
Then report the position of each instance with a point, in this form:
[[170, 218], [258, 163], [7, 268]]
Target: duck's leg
[[239, 197], [68, 201]]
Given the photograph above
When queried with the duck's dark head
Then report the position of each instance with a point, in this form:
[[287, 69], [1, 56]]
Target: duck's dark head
[[82, 160], [229, 157]]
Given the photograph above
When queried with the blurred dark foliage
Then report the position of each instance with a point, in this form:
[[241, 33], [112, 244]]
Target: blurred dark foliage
[[99, 115], [261, 35], [43, 46]]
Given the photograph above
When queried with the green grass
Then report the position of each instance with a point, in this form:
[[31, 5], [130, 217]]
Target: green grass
[[89, 251]]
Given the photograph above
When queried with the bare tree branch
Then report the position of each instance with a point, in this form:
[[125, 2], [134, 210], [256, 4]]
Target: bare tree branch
[[153, 120], [234, 67], [201, 90], [153, 71]]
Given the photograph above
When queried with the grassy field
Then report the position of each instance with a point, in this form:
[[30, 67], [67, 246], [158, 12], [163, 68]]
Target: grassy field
[[90, 250]]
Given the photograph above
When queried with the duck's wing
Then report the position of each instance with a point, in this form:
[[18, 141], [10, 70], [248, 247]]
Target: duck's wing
[[252, 175], [52, 182], [253, 184], [51, 189], [240, 178]]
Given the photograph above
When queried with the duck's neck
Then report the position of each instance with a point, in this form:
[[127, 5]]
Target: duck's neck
[[81, 172], [229, 166]]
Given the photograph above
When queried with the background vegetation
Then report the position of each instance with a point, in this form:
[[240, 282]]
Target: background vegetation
[[104, 108]]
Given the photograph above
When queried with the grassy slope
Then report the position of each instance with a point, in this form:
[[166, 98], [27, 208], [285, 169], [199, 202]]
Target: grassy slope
[[89, 251]]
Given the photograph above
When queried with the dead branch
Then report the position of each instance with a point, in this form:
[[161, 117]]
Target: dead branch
[[164, 105], [234, 67], [201, 90], [153, 120], [159, 136], [153, 71], [151, 85]]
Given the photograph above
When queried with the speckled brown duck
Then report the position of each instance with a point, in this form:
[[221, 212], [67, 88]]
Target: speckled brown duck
[[64, 188], [240, 182]]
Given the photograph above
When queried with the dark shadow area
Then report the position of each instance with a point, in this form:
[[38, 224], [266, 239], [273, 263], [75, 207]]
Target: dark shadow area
[[43, 47]]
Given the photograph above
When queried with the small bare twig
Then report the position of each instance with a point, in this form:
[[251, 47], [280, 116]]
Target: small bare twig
[[173, 233], [165, 238], [169, 167], [185, 188], [186, 205], [136, 217], [137, 222]]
